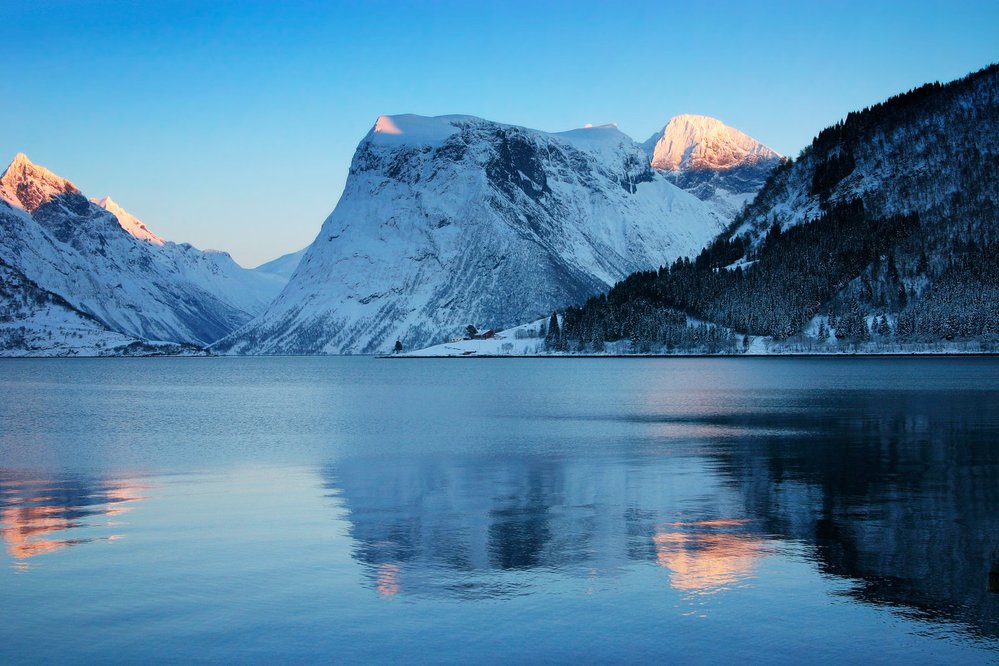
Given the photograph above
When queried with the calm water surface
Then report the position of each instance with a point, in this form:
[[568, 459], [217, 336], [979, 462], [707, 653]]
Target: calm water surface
[[535, 510]]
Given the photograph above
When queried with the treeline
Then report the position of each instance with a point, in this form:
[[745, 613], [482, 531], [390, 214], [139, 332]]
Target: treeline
[[646, 326], [778, 288], [934, 147], [900, 109], [854, 288]]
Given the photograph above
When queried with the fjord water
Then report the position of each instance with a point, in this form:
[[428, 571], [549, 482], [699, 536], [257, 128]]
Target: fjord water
[[520, 510]]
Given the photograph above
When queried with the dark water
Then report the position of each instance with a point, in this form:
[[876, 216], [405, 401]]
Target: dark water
[[601, 510]]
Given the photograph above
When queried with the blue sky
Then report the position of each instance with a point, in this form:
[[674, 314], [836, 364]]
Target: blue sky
[[231, 124]]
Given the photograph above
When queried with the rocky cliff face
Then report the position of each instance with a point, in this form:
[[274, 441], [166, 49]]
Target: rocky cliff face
[[455, 220]]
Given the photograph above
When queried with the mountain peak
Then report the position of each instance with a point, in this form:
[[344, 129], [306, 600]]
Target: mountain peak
[[133, 225], [691, 142], [27, 185], [409, 128]]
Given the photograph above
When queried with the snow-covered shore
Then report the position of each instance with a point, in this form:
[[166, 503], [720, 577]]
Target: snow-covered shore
[[524, 341]]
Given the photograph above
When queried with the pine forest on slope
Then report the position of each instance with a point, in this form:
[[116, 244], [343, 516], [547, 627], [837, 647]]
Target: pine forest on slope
[[884, 231]]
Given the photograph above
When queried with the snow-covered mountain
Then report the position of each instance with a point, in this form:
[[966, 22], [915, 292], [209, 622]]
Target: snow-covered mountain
[[717, 163], [215, 270], [36, 322], [932, 151], [695, 143], [882, 236], [283, 266], [455, 220], [115, 269], [133, 225]]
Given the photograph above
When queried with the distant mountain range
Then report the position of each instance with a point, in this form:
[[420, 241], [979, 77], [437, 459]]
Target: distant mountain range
[[443, 222], [283, 266], [86, 276], [882, 233]]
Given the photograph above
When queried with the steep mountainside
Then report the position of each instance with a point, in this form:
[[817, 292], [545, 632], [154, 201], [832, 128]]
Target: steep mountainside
[[36, 322], [455, 220], [884, 232], [718, 164], [213, 270], [131, 224], [117, 271]]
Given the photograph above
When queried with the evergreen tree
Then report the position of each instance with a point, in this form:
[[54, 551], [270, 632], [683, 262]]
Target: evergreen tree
[[554, 337], [884, 328]]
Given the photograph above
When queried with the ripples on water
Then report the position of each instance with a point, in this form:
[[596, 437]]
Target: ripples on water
[[597, 510]]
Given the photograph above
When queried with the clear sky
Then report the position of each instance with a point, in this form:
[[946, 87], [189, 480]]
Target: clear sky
[[231, 125]]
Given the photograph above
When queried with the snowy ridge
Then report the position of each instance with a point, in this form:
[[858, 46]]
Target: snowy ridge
[[115, 271], [716, 163], [128, 222], [454, 219], [28, 186], [691, 143], [213, 270], [899, 166], [413, 130], [36, 322]]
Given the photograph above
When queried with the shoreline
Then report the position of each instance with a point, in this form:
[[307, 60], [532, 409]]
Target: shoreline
[[908, 354], [928, 354]]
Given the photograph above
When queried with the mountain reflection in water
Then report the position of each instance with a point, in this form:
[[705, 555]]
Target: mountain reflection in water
[[40, 516], [526, 510], [706, 556], [896, 492], [440, 527]]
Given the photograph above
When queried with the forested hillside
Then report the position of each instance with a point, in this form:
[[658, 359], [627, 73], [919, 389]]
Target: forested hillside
[[884, 231]]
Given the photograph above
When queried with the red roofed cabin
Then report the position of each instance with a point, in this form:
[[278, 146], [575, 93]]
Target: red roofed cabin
[[476, 334]]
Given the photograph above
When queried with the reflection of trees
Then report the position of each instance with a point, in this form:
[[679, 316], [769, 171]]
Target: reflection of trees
[[898, 492], [39, 516], [519, 529]]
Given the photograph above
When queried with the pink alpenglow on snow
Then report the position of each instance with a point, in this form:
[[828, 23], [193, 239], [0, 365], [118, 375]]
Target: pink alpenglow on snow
[[133, 225], [692, 142], [27, 186]]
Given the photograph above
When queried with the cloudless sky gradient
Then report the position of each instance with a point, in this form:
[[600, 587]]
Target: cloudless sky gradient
[[231, 125]]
